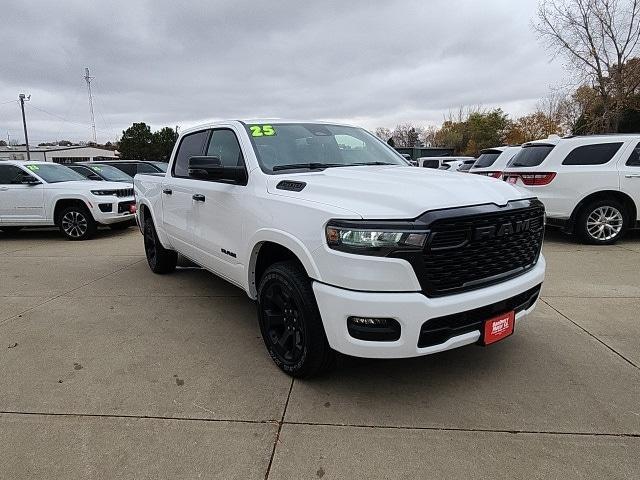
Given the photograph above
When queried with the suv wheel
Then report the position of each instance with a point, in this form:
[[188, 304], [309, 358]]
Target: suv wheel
[[160, 259], [602, 222], [290, 322], [76, 223]]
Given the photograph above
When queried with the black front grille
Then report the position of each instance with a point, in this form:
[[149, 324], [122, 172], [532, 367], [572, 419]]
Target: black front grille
[[439, 330], [125, 207], [478, 246], [124, 192]]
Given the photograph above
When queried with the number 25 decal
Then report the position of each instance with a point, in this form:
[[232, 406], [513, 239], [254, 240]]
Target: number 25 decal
[[262, 130]]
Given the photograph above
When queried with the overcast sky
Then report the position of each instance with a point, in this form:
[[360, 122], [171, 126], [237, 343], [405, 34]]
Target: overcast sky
[[181, 63]]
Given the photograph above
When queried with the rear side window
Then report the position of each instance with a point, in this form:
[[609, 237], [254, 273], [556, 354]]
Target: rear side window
[[224, 144], [431, 164], [634, 158], [146, 168], [191, 145], [597, 154], [531, 155], [128, 168], [11, 174], [486, 159]]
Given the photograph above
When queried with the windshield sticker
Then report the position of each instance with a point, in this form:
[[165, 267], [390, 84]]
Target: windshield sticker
[[96, 169], [33, 168], [262, 130]]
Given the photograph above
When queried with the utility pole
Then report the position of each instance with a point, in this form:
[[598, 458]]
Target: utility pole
[[24, 122], [88, 79]]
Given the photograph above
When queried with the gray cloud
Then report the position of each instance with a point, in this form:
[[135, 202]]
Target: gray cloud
[[169, 63]]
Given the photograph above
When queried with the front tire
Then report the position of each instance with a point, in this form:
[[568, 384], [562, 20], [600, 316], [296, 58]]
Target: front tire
[[160, 259], [290, 321], [602, 222], [76, 223]]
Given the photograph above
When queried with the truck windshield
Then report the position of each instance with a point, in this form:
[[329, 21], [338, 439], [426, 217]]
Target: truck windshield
[[310, 146], [110, 173], [54, 173]]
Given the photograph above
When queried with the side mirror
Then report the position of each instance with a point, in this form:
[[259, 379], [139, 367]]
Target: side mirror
[[211, 168], [29, 180]]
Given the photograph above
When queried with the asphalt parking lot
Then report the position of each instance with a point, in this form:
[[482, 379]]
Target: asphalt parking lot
[[109, 371]]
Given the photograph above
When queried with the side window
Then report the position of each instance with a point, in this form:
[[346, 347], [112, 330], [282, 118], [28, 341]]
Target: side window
[[597, 154], [146, 168], [190, 145], [10, 174], [224, 144], [634, 158]]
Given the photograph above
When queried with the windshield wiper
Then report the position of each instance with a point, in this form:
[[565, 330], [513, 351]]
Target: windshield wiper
[[370, 163], [310, 166]]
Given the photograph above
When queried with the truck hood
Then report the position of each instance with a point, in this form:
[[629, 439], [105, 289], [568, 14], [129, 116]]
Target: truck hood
[[382, 192], [86, 185]]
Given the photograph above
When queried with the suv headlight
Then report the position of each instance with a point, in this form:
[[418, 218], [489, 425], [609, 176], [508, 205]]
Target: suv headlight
[[374, 238], [103, 192]]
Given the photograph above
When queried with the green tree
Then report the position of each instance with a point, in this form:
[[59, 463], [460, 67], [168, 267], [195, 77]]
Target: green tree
[[163, 142], [136, 142]]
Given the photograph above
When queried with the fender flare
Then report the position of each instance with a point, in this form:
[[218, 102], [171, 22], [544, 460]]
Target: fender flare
[[281, 238]]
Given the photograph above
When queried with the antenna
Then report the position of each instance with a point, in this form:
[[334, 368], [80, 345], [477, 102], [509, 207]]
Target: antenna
[[88, 79]]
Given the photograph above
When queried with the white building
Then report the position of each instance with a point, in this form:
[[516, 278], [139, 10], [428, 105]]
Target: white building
[[57, 154]]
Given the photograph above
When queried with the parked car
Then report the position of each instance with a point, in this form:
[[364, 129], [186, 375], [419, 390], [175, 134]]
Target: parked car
[[100, 172], [437, 162], [47, 194], [132, 167], [344, 249], [492, 161], [590, 185]]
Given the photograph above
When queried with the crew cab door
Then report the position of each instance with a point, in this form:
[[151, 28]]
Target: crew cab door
[[20, 203], [219, 210], [629, 168], [178, 212]]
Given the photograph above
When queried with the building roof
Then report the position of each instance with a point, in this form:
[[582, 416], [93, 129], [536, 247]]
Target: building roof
[[55, 148]]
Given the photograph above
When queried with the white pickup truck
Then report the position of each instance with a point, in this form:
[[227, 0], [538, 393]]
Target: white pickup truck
[[344, 246], [38, 194]]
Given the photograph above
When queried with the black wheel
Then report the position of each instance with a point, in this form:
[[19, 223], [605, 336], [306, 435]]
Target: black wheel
[[76, 223], [121, 225], [160, 259], [602, 222], [10, 229], [290, 322]]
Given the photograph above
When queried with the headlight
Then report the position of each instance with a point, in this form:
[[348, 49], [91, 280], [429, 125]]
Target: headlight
[[374, 239], [103, 192]]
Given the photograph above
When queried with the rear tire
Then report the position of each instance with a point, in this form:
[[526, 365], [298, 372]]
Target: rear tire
[[602, 222], [290, 321], [160, 259], [77, 223]]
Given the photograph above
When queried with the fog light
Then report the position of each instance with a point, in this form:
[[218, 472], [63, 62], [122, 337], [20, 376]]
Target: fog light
[[374, 329]]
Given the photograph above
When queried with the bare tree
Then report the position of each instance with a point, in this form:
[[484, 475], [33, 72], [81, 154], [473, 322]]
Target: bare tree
[[598, 37], [383, 133]]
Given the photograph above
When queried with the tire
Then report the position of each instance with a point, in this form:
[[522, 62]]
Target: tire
[[290, 322], [77, 223], [602, 222], [121, 225], [160, 259], [10, 229]]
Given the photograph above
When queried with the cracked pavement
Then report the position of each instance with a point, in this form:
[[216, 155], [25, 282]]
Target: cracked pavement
[[109, 371]]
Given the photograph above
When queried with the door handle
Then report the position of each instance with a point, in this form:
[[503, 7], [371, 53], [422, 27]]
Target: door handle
[[198, 197], [632, 175], [167, 191]]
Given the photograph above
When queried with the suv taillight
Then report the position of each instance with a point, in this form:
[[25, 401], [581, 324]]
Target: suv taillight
[[530, 179]]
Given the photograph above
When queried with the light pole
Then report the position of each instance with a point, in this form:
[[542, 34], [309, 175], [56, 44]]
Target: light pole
[[24, 122]]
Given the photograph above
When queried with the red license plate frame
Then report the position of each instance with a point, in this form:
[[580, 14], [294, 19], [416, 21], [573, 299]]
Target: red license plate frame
[[498, 328]]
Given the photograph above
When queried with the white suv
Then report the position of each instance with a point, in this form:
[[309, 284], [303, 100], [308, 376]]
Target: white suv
[[40, 194], [589, 185], [493, 161]]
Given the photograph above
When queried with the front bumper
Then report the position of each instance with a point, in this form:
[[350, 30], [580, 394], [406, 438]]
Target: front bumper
[[411, 310], [110, 210]]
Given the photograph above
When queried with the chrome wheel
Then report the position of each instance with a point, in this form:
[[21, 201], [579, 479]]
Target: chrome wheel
[[605, 223], [75, 224]]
